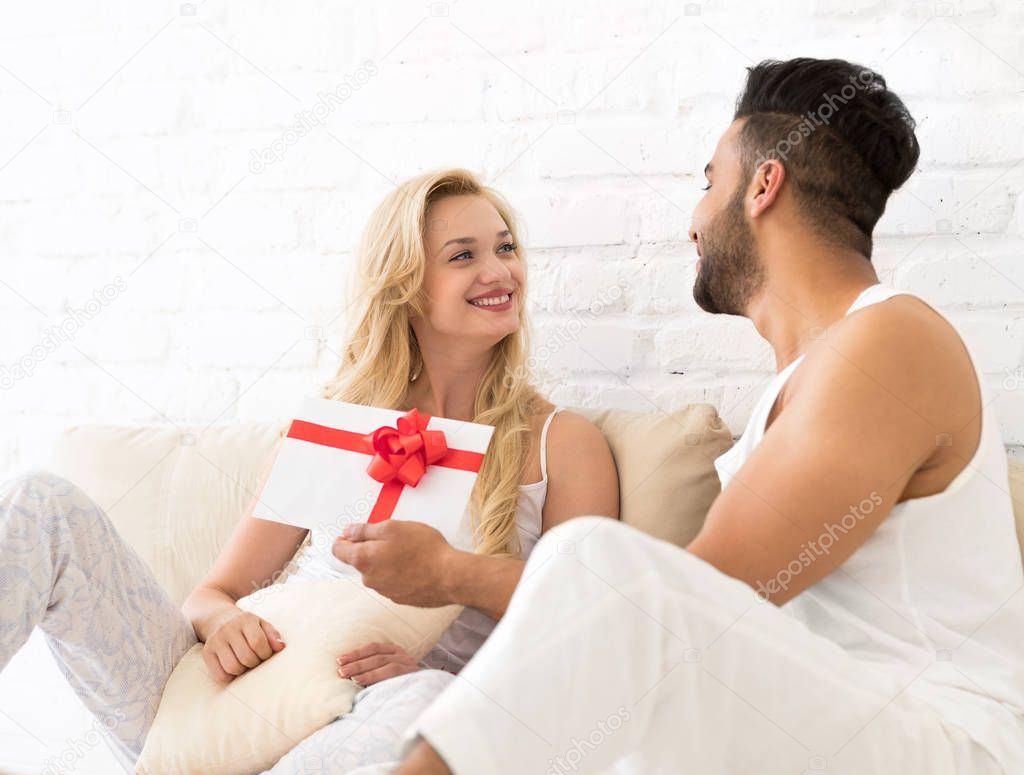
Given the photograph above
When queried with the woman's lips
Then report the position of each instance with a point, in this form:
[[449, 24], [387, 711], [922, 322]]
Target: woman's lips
[[494, 303]]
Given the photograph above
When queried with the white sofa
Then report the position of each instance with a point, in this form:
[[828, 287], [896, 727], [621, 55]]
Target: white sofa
[[175, 494]]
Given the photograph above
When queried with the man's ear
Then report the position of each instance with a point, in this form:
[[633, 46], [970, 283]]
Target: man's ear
[[766, 186]]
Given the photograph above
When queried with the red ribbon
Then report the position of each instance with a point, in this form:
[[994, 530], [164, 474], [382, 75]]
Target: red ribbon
[[400, 455]]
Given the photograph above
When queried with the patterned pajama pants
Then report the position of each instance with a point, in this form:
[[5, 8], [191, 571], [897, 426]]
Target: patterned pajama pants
[[116, 635]]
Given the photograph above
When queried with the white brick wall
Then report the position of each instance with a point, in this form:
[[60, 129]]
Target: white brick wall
[[126, 155], [127, 138]]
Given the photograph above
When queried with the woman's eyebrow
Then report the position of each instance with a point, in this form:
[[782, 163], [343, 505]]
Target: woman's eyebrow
[[471, 240], [459, 241]]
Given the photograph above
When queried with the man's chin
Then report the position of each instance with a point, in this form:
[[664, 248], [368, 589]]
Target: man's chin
[[702, 296]]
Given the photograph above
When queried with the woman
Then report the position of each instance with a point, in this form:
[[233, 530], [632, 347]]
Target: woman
[[440, 326]]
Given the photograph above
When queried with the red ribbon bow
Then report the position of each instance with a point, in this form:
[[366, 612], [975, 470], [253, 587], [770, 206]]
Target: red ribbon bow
[[400, 455], [404, 452]]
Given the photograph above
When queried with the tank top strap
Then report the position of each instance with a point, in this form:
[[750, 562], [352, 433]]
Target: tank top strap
[[872, 295], [759, 416], [544, 443]]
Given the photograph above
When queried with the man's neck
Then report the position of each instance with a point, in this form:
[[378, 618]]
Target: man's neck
[[802, 298]]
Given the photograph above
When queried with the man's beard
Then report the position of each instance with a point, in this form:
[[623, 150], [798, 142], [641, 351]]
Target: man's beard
[[730, 273]]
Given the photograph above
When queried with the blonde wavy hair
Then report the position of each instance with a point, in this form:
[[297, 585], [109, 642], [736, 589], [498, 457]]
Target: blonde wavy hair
[[381, 355]]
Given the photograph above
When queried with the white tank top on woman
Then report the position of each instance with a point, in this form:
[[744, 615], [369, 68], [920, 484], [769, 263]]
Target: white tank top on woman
[[935, 594], [468, 632]]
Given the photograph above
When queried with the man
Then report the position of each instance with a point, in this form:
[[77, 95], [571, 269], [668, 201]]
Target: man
[[851, 604]]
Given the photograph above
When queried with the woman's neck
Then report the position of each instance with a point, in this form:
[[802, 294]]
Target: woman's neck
[[447, 384]]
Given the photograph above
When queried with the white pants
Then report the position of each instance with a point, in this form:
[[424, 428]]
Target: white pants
[[623, 653]]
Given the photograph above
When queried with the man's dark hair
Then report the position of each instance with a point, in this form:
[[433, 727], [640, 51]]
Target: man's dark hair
[[846, 141]]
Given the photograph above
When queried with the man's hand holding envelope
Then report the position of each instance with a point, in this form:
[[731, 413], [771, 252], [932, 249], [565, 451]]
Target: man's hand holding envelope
[[389, 488]]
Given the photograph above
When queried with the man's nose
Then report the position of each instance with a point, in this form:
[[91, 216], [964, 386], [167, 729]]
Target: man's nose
[[693, 234]]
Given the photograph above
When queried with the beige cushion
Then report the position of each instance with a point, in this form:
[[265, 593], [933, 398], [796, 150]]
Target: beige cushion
[[173, 495], [206, 728], [667, 478], [1017, 494]]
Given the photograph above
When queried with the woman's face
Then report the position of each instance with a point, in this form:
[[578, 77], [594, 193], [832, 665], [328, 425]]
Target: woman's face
[[474, 279]]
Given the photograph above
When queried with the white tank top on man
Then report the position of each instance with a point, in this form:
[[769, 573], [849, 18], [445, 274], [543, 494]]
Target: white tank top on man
[[934, 594]]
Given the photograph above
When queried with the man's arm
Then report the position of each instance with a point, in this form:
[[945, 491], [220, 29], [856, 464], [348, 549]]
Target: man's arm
[[871, 403]]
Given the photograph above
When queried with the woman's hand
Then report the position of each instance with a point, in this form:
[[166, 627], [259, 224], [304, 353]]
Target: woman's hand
[[375, 662], [403, 560], [241, 642]]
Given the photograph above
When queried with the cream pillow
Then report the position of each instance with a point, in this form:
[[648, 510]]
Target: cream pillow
[[667, 476], [1016, 476], [245, 726]]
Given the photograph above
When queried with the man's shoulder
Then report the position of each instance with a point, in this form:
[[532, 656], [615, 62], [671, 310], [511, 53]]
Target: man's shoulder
[[897, 363], [902, 338]]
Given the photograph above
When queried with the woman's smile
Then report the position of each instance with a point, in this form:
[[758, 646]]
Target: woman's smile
[[494, 301]]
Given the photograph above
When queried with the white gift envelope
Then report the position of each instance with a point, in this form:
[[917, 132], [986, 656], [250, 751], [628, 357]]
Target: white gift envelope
[[345, 463]]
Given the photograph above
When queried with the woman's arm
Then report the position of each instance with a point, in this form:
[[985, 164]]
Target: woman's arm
[[254, 552], [582, 481], [412, 563]]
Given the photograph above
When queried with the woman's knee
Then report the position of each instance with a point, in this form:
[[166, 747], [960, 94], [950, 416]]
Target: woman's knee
[[36, 483], [45, 498]]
